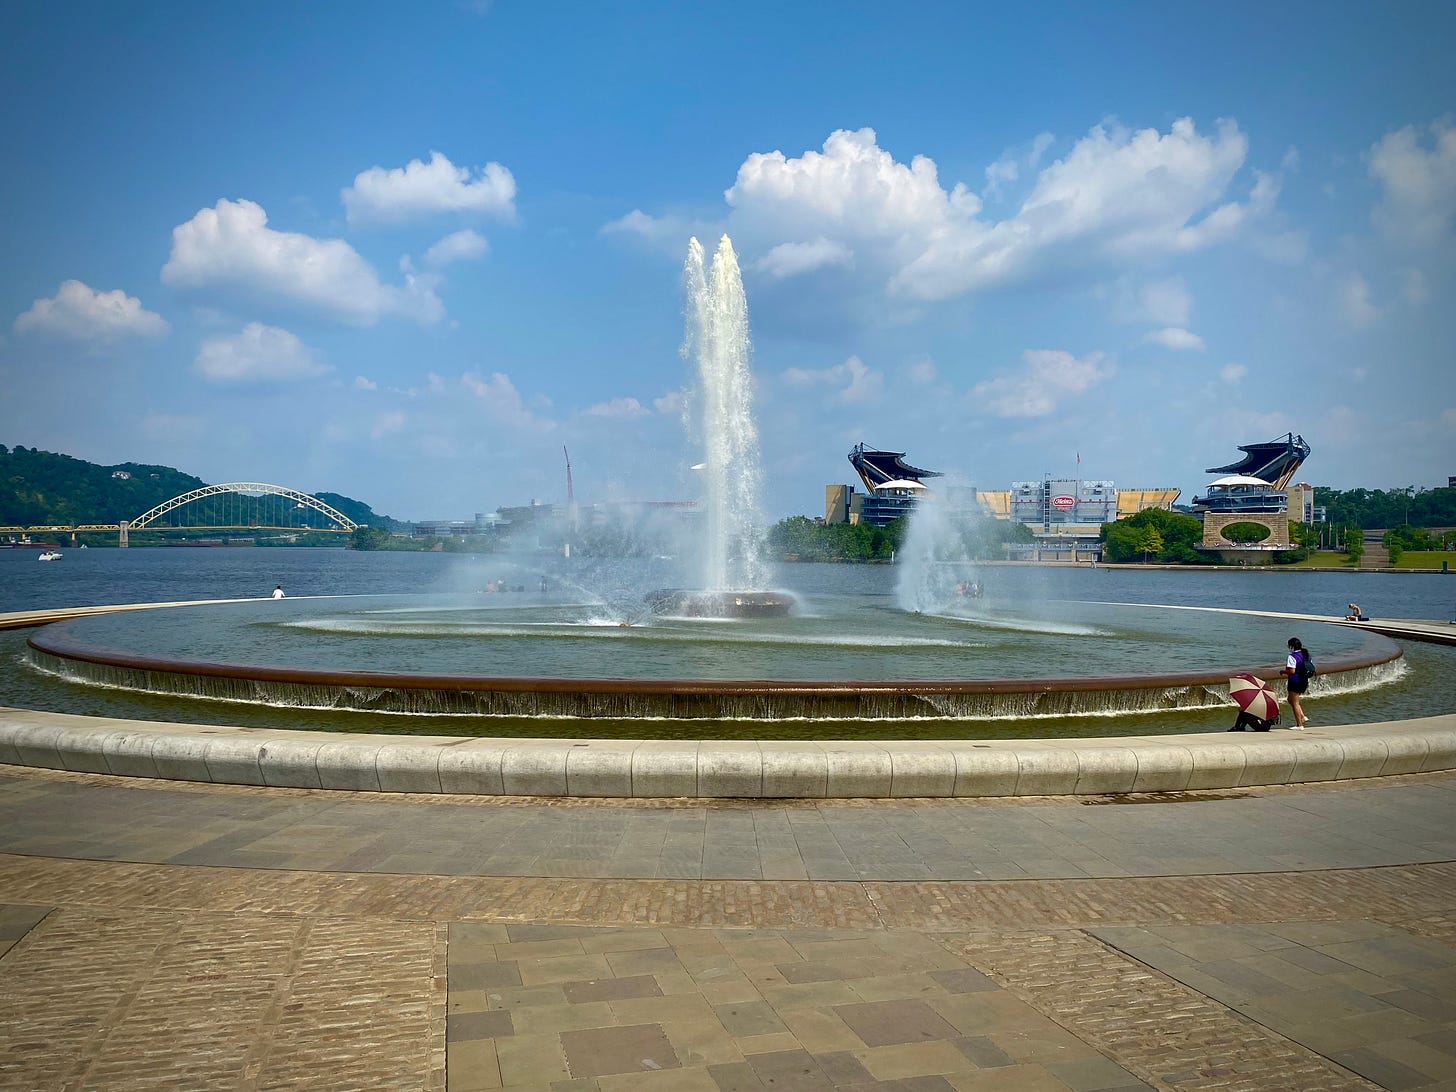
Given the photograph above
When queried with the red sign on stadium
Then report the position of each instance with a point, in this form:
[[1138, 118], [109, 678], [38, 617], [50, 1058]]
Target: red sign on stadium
[[1064, 503]]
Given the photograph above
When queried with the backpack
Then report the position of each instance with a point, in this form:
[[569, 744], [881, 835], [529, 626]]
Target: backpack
[[1306, 665]]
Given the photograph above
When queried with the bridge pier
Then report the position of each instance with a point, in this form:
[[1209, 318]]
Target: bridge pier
[[121, 538]]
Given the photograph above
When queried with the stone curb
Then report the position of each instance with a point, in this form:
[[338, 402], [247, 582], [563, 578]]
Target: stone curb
[[722, 769]]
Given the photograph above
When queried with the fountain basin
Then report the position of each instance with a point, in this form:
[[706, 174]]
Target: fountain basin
[[704, 768], [371, 654], [686, 603]]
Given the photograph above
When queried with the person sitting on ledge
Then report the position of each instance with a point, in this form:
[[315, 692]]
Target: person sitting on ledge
[[1355, 615], [1246, 721]]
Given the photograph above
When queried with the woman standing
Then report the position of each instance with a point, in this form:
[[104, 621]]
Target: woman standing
[[1298, 667]]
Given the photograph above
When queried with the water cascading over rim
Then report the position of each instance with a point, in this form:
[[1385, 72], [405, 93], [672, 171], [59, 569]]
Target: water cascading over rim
[[717, 340]]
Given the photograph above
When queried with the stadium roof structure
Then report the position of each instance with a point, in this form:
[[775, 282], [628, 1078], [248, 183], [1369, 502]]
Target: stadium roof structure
[[877, 468], [1274, 462]]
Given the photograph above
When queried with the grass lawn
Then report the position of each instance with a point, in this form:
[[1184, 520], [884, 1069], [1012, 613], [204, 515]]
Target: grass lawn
[[1327, 559], [1411, 559], [1426, 559]]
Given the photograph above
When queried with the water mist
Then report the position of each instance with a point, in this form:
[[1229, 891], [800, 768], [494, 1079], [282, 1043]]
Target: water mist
[[935, 558]]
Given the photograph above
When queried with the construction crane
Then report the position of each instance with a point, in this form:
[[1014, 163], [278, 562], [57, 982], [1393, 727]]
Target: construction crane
[[570, 502]]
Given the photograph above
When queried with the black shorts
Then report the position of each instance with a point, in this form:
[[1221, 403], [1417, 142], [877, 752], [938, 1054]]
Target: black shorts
[[1297, 685]]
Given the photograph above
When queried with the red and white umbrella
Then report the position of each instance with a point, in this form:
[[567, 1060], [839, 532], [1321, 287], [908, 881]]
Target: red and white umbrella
[[1254, 696]]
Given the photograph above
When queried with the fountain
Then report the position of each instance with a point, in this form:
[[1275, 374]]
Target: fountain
[[733, 569], [935, 569], [724, 654]]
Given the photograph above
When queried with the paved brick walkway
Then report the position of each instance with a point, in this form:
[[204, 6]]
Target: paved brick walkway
[[216, 959]]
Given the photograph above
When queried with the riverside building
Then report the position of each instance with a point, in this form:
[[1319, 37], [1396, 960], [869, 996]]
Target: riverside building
[[1256, 489]]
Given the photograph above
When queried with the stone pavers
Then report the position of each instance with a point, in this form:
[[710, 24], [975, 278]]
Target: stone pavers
[[1169, 1034], [801, 1007], [760, 1009], [335, 960], [53, 813], [96, 998], [1372, 997], [16, 921]]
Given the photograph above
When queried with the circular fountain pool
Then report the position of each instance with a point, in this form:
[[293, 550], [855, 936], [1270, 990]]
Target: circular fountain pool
[[841, 658]]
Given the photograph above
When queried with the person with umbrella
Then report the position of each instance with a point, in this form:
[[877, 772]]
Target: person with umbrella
[[1258, 708]]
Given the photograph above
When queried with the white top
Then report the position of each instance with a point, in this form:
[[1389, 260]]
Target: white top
[[1238, 479], [277, 593], [899, 483]]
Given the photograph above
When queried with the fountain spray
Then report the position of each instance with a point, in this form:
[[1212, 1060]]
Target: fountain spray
[[717, 339]]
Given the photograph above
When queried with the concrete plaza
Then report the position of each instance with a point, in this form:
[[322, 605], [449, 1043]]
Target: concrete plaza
[[169, 935]]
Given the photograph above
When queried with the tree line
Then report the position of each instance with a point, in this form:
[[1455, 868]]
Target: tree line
[[1388, 508]]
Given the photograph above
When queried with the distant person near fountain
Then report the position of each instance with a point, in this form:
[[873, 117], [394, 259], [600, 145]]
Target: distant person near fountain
[[1298, 668], [278, 592]]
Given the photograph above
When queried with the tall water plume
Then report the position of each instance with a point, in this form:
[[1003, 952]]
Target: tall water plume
[[936, 561], [717, 339]]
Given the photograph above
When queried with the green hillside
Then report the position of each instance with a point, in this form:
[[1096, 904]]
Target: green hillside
[[40, 488]]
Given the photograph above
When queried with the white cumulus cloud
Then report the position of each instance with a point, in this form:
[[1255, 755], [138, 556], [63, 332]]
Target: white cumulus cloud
[[419, 189], [922, 373], [459, 246], [1119, 195], [621, 409], [503, 402], [1047, 376], [1175, 337], [1007, 169], [386, 424], [1418, 183], [1118, 198], [856, 382], [1165, 302], [791, 259], [257, 353], [80, 312], [1355, 301], [1232, 373], [231, 247]]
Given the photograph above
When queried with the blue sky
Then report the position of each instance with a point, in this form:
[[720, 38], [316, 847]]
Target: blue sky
[[409, 252]]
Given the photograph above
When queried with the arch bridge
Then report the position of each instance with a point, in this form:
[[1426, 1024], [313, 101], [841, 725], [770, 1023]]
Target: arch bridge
[[233, 505]]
